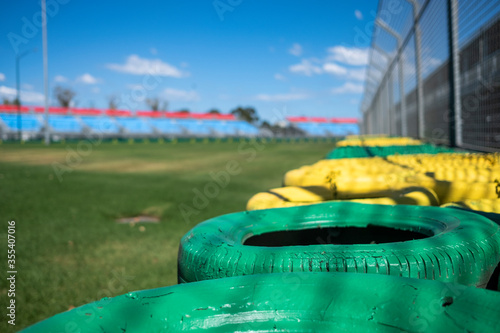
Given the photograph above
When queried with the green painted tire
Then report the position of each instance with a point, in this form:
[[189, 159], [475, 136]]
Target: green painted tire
[[491, 216], [293, 302], [384, 151], [462, 247]]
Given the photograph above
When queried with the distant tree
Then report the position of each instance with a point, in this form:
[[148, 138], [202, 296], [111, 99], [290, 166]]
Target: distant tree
[[64, 96], [183, 111], [112, 102], [214, 111], [265, 124], [155, 104], [247, 114], [280, 130], [14, 101]]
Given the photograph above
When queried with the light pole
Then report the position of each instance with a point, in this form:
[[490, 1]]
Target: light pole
[[45, 72], [18, 83]]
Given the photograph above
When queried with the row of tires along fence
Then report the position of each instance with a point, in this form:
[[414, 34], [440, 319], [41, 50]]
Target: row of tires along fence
[[360, 245]]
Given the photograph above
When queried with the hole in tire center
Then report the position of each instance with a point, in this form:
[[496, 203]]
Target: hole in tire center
[[334, 235]]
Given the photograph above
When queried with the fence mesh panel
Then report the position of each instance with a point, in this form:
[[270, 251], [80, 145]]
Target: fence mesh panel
[[434, 72]]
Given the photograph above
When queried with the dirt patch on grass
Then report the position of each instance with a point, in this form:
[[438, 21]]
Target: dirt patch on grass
[[33, 156], [101, 162], [138, 219], [127, 166]]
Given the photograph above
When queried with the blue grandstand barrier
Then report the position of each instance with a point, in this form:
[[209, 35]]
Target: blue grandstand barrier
[[134, 125], [100, 124], [165, 126], [194, 127], [73, 123], [65, 124], [29, 122]]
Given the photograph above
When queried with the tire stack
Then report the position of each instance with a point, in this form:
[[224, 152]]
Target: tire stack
[[396, 264], [417, 174]]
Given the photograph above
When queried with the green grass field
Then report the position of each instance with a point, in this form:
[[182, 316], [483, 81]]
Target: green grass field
[[65, 200]]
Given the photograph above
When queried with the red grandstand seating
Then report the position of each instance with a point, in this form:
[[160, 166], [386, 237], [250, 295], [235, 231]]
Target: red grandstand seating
[[318, 120], [226, 117], [53, 110], [297, 119], [121, 113], [118, 113], [13, 109], [86, 112], [344, 120], [322, 120], [177, 115], [152, 114]]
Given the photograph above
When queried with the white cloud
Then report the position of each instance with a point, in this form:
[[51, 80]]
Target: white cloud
[[181, 95], [332, 68], [281, 97], [306, 67], [27, 86], [296, 50], [141, 66], [357, 74], [348, 88], [2, 77], [87, 79], [135, 86], [26, 96], [96, 90], [349, 73], [358, 14], [60, 78], [348, 55], [279, 77], [153, 51]]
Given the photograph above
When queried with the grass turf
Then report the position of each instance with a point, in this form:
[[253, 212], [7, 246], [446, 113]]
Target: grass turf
[[65, 199]]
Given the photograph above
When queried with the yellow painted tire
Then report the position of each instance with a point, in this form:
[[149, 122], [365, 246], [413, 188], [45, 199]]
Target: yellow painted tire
[[483, 205], [460, 191], [298, 196]]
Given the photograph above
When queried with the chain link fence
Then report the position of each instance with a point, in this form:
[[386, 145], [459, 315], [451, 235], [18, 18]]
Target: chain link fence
[[434, 72]]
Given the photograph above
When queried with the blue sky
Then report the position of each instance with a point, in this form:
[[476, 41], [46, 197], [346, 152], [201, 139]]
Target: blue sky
[[285, 58]]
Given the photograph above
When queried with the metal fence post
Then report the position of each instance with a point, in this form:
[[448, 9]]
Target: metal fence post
[[404, 124], [390, 102], [418, 65], [385, 26], [455, 117]]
